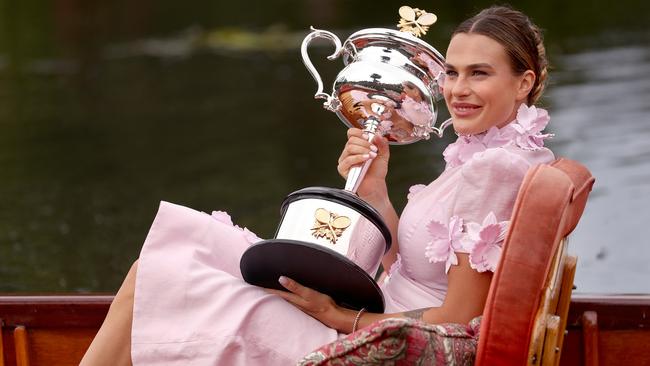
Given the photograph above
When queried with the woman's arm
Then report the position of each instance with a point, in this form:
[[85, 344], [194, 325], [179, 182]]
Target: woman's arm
[[466, 295], [465, 299]]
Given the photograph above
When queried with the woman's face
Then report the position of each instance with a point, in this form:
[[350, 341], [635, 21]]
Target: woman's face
[[480, 87]]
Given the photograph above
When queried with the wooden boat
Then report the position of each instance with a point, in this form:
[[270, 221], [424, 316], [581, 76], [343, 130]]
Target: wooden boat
[[56, 330]]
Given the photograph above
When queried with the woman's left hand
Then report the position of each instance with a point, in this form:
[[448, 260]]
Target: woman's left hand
[[312, 302]]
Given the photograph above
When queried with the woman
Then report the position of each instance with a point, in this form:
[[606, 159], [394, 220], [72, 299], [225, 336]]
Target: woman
[[191, 307]]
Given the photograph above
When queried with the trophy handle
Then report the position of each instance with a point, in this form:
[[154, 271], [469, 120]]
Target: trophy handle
[[331, 103]]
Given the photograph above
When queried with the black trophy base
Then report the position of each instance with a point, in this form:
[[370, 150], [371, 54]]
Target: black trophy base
[[313, 266]]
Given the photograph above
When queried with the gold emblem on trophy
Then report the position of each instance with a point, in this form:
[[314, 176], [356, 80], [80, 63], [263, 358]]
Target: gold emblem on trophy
[[329, 225], [415, 21]]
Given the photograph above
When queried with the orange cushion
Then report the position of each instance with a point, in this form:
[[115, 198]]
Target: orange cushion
[[548, 206]]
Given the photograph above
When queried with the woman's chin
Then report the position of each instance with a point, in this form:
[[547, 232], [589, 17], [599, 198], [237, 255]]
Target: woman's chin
[[464, 127]]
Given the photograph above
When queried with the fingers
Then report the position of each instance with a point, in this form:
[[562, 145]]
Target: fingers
[[357, 150], [354, 132], [296, 288], [288, 296], [346, 164], [303, 297], [382, 145]]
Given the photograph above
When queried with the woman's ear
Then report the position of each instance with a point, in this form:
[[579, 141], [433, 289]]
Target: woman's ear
[[526, 84]]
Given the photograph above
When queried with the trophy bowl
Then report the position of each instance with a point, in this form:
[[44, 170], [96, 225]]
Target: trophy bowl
[[391, 76], [330, 239]]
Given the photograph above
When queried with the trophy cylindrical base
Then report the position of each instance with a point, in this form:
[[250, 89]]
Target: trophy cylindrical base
[[329, 240]]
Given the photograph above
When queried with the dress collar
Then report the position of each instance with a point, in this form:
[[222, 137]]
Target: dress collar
[[524, 132]]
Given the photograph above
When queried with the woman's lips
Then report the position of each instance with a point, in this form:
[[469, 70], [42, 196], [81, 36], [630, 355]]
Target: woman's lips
[[465, 109]]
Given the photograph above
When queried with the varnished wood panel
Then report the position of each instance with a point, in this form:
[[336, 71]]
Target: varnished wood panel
[[54, 311], [624, 347], [59, 347]]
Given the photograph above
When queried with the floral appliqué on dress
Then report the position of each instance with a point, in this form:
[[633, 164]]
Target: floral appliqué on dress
[[482, 241], [445, 240], [524, 132]]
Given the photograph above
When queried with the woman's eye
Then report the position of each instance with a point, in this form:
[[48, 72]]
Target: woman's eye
[[451, 73], [478, 73]]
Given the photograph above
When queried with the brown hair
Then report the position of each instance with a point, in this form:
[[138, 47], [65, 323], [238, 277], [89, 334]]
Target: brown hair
[[520, 37]]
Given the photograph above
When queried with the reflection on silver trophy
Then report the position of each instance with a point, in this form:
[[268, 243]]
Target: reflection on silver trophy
[[330, 239]]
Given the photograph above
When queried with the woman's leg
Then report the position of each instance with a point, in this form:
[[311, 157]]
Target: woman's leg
[[112, 344]]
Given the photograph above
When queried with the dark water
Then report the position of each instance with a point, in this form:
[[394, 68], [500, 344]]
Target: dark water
[[107, 109]]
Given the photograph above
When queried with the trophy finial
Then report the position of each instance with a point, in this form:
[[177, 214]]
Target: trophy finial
[[415, 21]]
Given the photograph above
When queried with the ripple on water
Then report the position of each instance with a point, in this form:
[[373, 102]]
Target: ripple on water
[[601, 118]]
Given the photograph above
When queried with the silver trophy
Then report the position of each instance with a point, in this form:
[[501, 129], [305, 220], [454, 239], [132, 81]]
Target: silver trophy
[[330, 239]]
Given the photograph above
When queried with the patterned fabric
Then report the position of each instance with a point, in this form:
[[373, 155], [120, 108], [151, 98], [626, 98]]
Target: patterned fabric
[[401, 341]]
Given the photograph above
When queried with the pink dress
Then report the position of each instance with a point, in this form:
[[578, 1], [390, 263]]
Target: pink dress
[[192, 307]]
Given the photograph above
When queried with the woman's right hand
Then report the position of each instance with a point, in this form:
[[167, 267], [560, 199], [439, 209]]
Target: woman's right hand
[[358, 150]]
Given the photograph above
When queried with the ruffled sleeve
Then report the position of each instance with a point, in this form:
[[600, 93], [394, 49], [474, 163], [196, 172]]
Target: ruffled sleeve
[[480, 211]]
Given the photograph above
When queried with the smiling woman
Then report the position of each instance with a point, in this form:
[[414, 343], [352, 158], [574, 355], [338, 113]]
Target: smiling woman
[[185, 301], [491, 68]]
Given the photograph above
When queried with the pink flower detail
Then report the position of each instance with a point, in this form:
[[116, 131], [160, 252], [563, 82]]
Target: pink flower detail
[[223, 217], [484, 242], [415, 189], [524, 131], [529, 124], [494, 137], [462, 150], [445, 239]]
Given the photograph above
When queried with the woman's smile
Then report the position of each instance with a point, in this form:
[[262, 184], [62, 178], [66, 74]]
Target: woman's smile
[[465, 110]]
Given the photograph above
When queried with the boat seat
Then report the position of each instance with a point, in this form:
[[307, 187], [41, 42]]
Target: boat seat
[[526, 310]]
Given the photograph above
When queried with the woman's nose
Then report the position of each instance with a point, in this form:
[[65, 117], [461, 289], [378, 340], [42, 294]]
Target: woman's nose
[[460, 87]]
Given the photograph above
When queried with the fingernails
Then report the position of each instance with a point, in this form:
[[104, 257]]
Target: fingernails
[[372, 154], [366, 156], [283, 281], [373, 148], [365, 135]]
